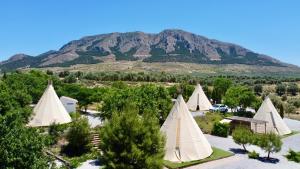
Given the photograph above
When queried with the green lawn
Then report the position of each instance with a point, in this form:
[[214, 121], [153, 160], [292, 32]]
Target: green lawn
[[217, 154], [291, 134]]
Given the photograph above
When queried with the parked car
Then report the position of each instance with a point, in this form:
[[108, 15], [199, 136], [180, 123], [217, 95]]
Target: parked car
[[219, 107]]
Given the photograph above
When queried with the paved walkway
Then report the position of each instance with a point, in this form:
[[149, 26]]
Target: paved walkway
[[240, 160]]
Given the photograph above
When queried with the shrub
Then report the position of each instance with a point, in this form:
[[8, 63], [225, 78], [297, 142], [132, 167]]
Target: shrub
[[253, 155], [242, 136], [79, 137], [258, 89], [207, 122], [293, 156], [293, 89], [220, 129], [55, 130], [280, 89]]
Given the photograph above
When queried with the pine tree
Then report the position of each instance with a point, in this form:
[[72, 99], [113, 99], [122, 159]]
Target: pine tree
[[131, 141]]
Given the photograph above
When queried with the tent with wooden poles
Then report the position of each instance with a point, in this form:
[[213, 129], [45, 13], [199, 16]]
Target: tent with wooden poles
[[49, 110], [198, 101], [184, 139], [275, 123]]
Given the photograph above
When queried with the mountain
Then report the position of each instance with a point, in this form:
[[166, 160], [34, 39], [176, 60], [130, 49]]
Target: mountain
[[170, 45]]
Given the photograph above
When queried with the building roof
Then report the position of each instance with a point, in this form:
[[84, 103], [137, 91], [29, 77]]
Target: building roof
[[245, 119], [69, 98]]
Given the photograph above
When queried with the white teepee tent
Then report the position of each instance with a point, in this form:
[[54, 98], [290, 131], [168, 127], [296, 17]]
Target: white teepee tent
[[198, 100], [185, 141], [275, 123], [49, 110]]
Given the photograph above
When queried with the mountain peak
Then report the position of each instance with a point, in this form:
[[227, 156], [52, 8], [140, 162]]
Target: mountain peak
[[170, 45]]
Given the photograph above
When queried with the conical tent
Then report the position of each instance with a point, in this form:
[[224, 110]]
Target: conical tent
[[198, 100], [49, 110], [275, 123], [184, 139]]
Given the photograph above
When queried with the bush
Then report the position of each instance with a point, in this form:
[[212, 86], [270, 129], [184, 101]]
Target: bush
[[79, 137], [293, 89], [207, 122], [220, 129], [253, 155], [280, 89], [293, 156], [54, 131], [248, 114]]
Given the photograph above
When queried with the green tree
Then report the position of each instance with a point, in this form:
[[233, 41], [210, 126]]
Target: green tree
[[281, 111], [20, 146], [84, 97], [221, 85], [258, 89], [132, 141], [293, 89], [242, 136], [280, 89], [183, 88], [239, 96], [146, 97], [270, 143], [79, 138]]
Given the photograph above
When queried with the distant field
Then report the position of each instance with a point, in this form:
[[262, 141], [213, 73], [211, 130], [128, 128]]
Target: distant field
[[184, 68]]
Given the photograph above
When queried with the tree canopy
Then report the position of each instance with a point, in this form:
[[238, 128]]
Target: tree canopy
[[132, 141], [221, 85], [239, 96]]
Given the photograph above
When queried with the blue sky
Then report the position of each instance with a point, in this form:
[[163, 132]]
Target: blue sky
[[36, 26]]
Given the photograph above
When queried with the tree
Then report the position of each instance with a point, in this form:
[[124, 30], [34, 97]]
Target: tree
[[242, 136], [280, 89], [132, 141], [293, 89], [183, 88], [258, 89], [239, 96], [146, 97], [281, 111], [220, 88], [79, 137], [49, 72], [64, 73], [20, 146], [270, 143], [84, 97]]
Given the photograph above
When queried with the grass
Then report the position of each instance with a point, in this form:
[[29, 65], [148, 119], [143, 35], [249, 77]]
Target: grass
[[291, 134], [217, 154]]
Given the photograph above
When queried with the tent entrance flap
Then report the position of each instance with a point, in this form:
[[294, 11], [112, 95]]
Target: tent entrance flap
[[177, 149]]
